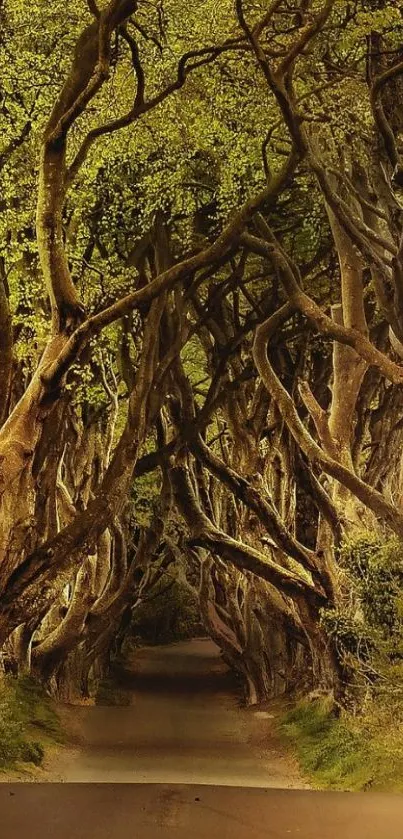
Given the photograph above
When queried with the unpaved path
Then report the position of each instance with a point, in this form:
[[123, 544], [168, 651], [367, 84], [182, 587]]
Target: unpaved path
[[184, 725]]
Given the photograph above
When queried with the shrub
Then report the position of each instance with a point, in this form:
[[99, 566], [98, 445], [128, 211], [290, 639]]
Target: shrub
[[377, 569], [367, 625]]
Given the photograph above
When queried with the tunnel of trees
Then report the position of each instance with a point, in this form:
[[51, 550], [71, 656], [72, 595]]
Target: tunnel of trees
[[201, 332]]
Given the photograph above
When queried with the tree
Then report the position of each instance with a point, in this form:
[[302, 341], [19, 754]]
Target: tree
[[215, 305]]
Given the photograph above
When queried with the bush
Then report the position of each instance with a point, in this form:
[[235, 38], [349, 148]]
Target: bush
[[367, 625], [27, 722], [377, 569]]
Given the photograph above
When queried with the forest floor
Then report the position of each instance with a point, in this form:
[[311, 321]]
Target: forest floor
[[182, 722]]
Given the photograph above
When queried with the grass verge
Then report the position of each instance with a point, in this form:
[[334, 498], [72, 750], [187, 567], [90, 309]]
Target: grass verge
[[28, 723], [345, 752]]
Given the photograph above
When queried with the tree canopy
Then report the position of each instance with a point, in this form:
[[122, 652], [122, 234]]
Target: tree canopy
[[201, 325]]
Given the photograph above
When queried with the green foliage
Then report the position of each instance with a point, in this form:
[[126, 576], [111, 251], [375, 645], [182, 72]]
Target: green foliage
[[329, 752], [377, 568], [27, 722], [195, 157], [367, 626], [341, 752], [145, 492], [360, 747], [351, 633], [169, 614]]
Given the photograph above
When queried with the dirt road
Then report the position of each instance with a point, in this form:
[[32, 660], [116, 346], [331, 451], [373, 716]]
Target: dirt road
[[184, 725]]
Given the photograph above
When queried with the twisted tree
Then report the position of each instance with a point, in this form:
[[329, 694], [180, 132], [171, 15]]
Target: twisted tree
[[200, 324]]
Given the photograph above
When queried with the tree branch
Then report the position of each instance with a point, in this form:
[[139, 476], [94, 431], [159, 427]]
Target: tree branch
[[369, 497]]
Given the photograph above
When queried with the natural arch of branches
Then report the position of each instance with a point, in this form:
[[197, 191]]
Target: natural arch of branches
[[201, 324]]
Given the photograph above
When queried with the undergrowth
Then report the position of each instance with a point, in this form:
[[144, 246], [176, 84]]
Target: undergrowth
[[346, 752], [361, 746], [28, 723]]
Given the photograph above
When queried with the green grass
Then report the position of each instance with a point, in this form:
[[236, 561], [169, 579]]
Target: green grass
[[344, 752], [28, 723]]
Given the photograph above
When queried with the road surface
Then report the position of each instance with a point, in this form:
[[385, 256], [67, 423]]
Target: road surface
[[134, 811], [184, 724], [196, 766]]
